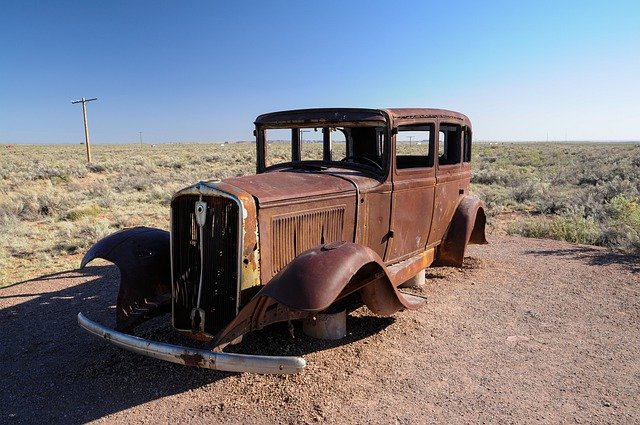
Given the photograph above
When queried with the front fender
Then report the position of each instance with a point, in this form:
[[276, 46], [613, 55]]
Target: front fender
[[143, 256], [313, 281], [467, 226]]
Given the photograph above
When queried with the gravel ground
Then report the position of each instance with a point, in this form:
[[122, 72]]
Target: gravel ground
[[527, 331]]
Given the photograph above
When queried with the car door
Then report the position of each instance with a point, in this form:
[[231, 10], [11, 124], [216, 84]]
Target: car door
[[414, 181], [452, 178]]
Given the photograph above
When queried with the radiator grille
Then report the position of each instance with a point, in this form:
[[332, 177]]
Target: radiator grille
[[296, 233], [220, 258]]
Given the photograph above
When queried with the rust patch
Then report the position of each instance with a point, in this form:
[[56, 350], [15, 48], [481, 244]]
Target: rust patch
[[195, 360]]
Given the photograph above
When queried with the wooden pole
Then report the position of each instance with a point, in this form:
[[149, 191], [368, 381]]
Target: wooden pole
[[86, 125], [86, 129]]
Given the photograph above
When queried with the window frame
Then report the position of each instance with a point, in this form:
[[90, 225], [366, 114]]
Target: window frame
[[442, 125], [467, 144], [431, 145], [382, 142]]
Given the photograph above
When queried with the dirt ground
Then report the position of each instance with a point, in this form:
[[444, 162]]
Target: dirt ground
[[527, 331]]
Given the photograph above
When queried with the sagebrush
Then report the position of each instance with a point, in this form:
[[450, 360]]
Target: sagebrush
[[53, 205]]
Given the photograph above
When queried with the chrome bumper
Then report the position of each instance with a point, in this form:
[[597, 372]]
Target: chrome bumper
[[195, 357]]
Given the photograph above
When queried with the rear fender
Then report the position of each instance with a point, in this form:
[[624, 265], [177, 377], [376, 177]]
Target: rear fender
[[143, 256], [467, 226], [313, 281]]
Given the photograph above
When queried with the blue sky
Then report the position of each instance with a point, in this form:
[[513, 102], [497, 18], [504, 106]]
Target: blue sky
[[202, 71]]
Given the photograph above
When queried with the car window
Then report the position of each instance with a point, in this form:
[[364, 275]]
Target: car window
[[277, 146], [338, 146], [449, 144], [466, 146], [413, 146]]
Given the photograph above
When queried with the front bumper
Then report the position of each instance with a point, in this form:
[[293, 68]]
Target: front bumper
[[228, 362]]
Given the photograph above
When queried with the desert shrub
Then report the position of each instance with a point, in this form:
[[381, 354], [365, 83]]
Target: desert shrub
[[529, 189], [91, 210], [98, 191], [489, 176], [96, 168], [555, 202], [497, 199], [622, 208], [212, 158], [537, 227], [9, 207], [33, 204], [52, 203], [571, 186], [70, 238], [623, 229], [574, 227]]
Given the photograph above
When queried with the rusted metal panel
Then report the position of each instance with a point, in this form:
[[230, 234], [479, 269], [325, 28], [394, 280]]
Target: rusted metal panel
[[139, 251], [298, 186], [314, 281], [299, 232], [412, 211], [467, 226], [450, 188], [404, 270], [374, 211], [321, 116], [403, 116], [275, 243], [452, 183]]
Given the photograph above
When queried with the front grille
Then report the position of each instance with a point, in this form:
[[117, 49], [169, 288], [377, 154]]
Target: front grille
[[296, 233], [220, 258]]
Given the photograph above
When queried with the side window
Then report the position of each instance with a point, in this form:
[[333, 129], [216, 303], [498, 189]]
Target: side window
[[449, 144], [466, 146], [413, 146]]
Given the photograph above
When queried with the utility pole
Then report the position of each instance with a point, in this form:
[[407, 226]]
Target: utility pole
[[410, 139], [140, 132], [86, 127]]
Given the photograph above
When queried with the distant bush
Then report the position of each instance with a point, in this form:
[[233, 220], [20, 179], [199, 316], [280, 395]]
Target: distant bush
[[91, 210], [585, 193], [575, 228], [96, 168]]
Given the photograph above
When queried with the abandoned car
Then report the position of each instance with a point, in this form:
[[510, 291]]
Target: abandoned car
[[345, 202]]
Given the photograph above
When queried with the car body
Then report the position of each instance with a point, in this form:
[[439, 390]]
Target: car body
[[344, 201]]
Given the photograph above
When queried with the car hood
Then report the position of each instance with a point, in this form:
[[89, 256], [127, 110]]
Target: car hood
[[280, 186]]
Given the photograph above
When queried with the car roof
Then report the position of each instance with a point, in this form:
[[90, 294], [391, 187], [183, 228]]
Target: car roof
[[319, 115]]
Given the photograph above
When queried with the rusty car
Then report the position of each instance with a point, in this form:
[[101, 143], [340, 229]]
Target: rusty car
[[345, 202]]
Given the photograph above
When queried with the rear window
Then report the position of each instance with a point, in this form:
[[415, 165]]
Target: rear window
[[449, 140], [466, 146]]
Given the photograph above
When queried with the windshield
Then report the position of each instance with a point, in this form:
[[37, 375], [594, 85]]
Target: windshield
[[340, 146]]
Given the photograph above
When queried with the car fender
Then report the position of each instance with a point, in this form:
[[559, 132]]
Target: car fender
[[313, 281], [467, 226], [142, 254]]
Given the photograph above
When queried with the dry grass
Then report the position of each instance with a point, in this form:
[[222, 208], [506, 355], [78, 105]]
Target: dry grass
[[582, 193], [53, 205]]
